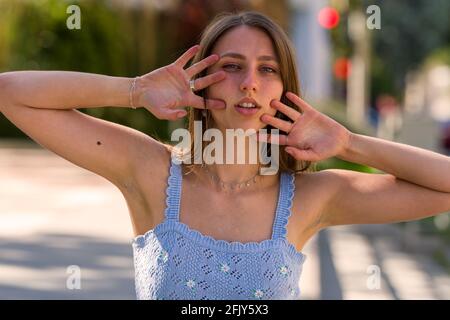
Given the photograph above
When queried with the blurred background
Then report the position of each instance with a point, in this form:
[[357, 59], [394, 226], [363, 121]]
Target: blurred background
[[381, 68]]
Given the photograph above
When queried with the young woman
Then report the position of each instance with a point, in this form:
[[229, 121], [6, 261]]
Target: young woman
[[224, 230]]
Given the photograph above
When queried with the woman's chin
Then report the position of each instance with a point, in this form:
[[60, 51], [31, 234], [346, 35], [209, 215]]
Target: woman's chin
[[249, 126], [238, 124]]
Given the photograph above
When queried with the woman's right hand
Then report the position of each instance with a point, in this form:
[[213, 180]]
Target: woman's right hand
[[165, 92]]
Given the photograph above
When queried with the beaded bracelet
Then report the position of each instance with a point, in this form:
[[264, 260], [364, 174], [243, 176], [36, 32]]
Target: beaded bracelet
[[133, 85]]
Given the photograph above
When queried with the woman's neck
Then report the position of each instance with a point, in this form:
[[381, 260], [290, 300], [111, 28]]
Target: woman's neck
[[235, 161], [236, 178]]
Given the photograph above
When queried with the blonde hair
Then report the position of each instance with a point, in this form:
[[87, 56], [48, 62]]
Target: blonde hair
[[288, 70]]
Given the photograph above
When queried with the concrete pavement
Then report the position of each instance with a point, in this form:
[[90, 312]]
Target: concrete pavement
[[54, 215]]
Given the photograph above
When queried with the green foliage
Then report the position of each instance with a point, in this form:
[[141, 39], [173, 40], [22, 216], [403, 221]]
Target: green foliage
[[35, 37], [336, 163], [439, 56], [440, 257], [410, 31], [46, 42]]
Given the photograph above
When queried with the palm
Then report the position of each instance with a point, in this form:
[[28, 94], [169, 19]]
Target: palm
[[322, 136], [312, 136], [170, 82], [166, 90]]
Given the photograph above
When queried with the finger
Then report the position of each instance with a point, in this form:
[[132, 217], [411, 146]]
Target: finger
[[306, 155], [201, 65], [288, 111], [299, 102], [277, 123], [202, 83], [188, 55], [199, 103], [174, 115], [167, 114], [215, 104]]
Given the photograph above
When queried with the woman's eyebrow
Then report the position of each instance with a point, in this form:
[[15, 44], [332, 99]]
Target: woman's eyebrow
[[242, 57]]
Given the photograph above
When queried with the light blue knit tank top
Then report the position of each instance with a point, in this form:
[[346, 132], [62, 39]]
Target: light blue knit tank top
[[173, 261]]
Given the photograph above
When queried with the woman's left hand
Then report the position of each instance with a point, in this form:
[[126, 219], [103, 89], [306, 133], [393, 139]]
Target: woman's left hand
[[312, 136]]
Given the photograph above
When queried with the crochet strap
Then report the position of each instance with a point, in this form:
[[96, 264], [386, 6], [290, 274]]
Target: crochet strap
[[285, 196], [173, 191]]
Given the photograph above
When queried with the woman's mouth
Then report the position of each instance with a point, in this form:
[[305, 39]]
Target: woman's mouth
[[246, 109]]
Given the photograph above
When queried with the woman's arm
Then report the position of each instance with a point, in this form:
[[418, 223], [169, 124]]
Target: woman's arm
[[364, 198], [416, 186], [64, 89], [419, 166], [41, 104]]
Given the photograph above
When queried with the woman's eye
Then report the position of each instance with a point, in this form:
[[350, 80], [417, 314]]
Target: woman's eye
[[237, 67], [231, 66], [269, 69]]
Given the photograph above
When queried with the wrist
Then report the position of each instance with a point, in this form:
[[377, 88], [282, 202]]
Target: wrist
[[134, 92], [117, 92], [348, 148]]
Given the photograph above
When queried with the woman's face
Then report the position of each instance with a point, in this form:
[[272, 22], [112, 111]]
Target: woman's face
[[252, 71]]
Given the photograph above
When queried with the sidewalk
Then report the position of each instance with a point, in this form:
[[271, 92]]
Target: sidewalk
[[368, 262], [54, 215]]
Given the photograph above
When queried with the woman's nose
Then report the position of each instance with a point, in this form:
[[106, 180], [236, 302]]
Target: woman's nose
[[249, 83]]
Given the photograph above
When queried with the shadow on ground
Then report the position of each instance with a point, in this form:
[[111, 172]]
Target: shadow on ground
[[36, 267]]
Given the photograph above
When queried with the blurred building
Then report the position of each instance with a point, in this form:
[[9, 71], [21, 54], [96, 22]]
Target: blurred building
[[427, 108], [313, 48]]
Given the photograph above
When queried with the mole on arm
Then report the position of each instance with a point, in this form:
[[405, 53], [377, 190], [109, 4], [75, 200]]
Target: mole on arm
[[99, 143]]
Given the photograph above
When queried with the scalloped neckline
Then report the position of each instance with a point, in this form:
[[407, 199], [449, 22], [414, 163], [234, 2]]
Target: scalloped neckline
[[218, 244]]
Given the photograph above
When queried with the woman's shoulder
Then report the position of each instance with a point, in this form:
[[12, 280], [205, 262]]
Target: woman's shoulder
[[154, 160], [145, 190], [151, 168], [148, 152]]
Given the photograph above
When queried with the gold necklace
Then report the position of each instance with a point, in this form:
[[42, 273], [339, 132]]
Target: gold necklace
[[232, 185]]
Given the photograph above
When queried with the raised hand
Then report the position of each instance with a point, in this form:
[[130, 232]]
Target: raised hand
[[311, 136], [165, 92]]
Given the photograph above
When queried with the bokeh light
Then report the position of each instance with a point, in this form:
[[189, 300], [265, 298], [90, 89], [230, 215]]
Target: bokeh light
[[328, 17], [341, 68]]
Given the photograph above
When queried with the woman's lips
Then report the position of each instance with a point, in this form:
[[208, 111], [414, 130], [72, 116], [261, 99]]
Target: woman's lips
[[246, 111]]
